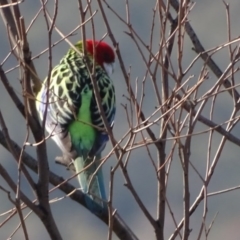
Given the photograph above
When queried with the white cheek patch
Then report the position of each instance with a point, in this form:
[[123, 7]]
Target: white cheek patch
[[109, 67]]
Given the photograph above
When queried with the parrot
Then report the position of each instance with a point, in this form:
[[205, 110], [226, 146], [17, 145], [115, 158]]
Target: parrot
[[67, 104]]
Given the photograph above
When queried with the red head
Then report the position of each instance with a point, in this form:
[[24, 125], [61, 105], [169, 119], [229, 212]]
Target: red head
[[103, 52]]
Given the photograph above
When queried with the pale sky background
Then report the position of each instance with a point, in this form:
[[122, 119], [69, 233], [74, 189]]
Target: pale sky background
[[208, 18]]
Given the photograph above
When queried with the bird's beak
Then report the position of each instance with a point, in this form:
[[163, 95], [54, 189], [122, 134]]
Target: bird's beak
[[109, 68]]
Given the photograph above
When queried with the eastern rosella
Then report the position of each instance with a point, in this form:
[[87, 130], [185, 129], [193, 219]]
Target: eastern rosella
[[72, 115]]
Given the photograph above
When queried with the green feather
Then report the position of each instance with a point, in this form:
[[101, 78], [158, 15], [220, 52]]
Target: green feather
[[83, 134]]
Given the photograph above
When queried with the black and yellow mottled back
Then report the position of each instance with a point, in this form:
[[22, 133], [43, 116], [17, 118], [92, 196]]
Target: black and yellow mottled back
[[68, 81]]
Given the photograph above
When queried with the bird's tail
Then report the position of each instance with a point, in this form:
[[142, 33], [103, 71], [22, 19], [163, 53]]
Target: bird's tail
[[91, 182]]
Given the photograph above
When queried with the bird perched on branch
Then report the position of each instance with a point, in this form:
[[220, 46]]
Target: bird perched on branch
[[67, 104]]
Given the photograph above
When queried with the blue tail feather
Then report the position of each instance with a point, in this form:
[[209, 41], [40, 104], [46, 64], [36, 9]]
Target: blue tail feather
[[92, 186]]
